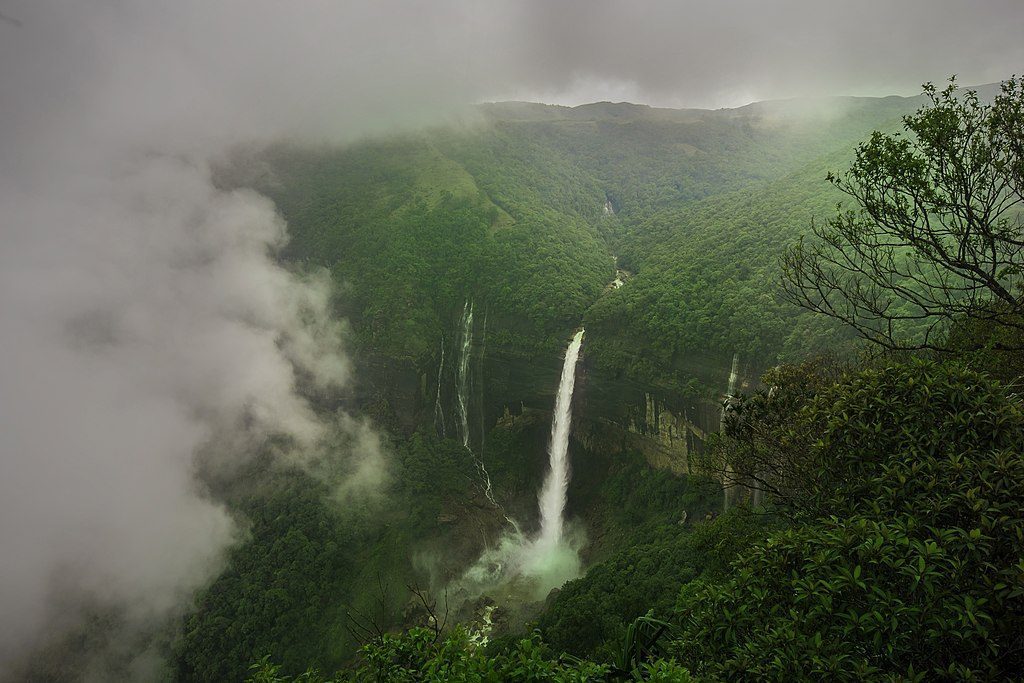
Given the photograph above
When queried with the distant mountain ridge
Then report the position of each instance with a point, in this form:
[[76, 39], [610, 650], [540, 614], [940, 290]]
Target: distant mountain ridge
[[520, 110]]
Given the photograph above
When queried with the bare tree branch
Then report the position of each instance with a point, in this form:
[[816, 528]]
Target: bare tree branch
[[937, 235]]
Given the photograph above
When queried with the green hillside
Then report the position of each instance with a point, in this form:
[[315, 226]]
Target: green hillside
[[524, 215]]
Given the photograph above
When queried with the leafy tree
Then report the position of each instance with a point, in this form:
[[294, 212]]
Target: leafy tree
[[756, 452], [907, 563], [937, 234]]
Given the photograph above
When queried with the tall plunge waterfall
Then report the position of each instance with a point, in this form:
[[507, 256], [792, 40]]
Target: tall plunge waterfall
[[552, 495], [537, 564]]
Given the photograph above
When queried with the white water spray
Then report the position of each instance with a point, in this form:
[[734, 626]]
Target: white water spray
[[552, 495]]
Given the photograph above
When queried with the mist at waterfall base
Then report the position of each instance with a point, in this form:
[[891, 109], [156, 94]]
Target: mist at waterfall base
[[528, 567]]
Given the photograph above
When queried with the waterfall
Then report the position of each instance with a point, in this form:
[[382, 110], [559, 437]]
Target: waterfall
[[552, 495], [481, 423], [438, 410], [462, 374], [462, 387], [537, 564], [727, 478], [733, 375]]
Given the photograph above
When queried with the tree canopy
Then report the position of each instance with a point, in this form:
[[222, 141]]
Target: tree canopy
[[936, 235]]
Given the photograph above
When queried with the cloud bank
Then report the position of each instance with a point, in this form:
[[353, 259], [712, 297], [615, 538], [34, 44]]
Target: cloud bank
[[143, 317]]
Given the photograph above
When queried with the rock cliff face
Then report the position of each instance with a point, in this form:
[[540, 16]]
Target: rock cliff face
[[611, 414], [668, 428], [673, 436], [666, 437]]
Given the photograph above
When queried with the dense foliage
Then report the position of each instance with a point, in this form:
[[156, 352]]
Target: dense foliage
[[906, 561], [421, 655], [308, 563], [591, 615], [701, 284], [275, 592], [410, 236], [510, 213]]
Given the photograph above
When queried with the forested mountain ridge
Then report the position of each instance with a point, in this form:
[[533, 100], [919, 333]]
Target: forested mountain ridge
[[524, 195], [522, 218]]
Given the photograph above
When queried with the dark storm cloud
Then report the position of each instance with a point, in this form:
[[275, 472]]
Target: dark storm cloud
[[140, 314]]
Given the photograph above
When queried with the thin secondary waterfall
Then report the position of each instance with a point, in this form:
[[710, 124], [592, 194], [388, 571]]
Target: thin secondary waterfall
[[438, 411], [552, 495], [462, 387], [481, 424], [727, 478], [462, 374], [733, 375]]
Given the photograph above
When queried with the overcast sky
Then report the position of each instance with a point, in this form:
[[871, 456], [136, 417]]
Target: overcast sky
[[140, 315], [731, 52], [327, 64]]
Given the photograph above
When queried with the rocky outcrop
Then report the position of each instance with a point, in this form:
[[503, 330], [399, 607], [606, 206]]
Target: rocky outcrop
[[665, 439], [671, 437]]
